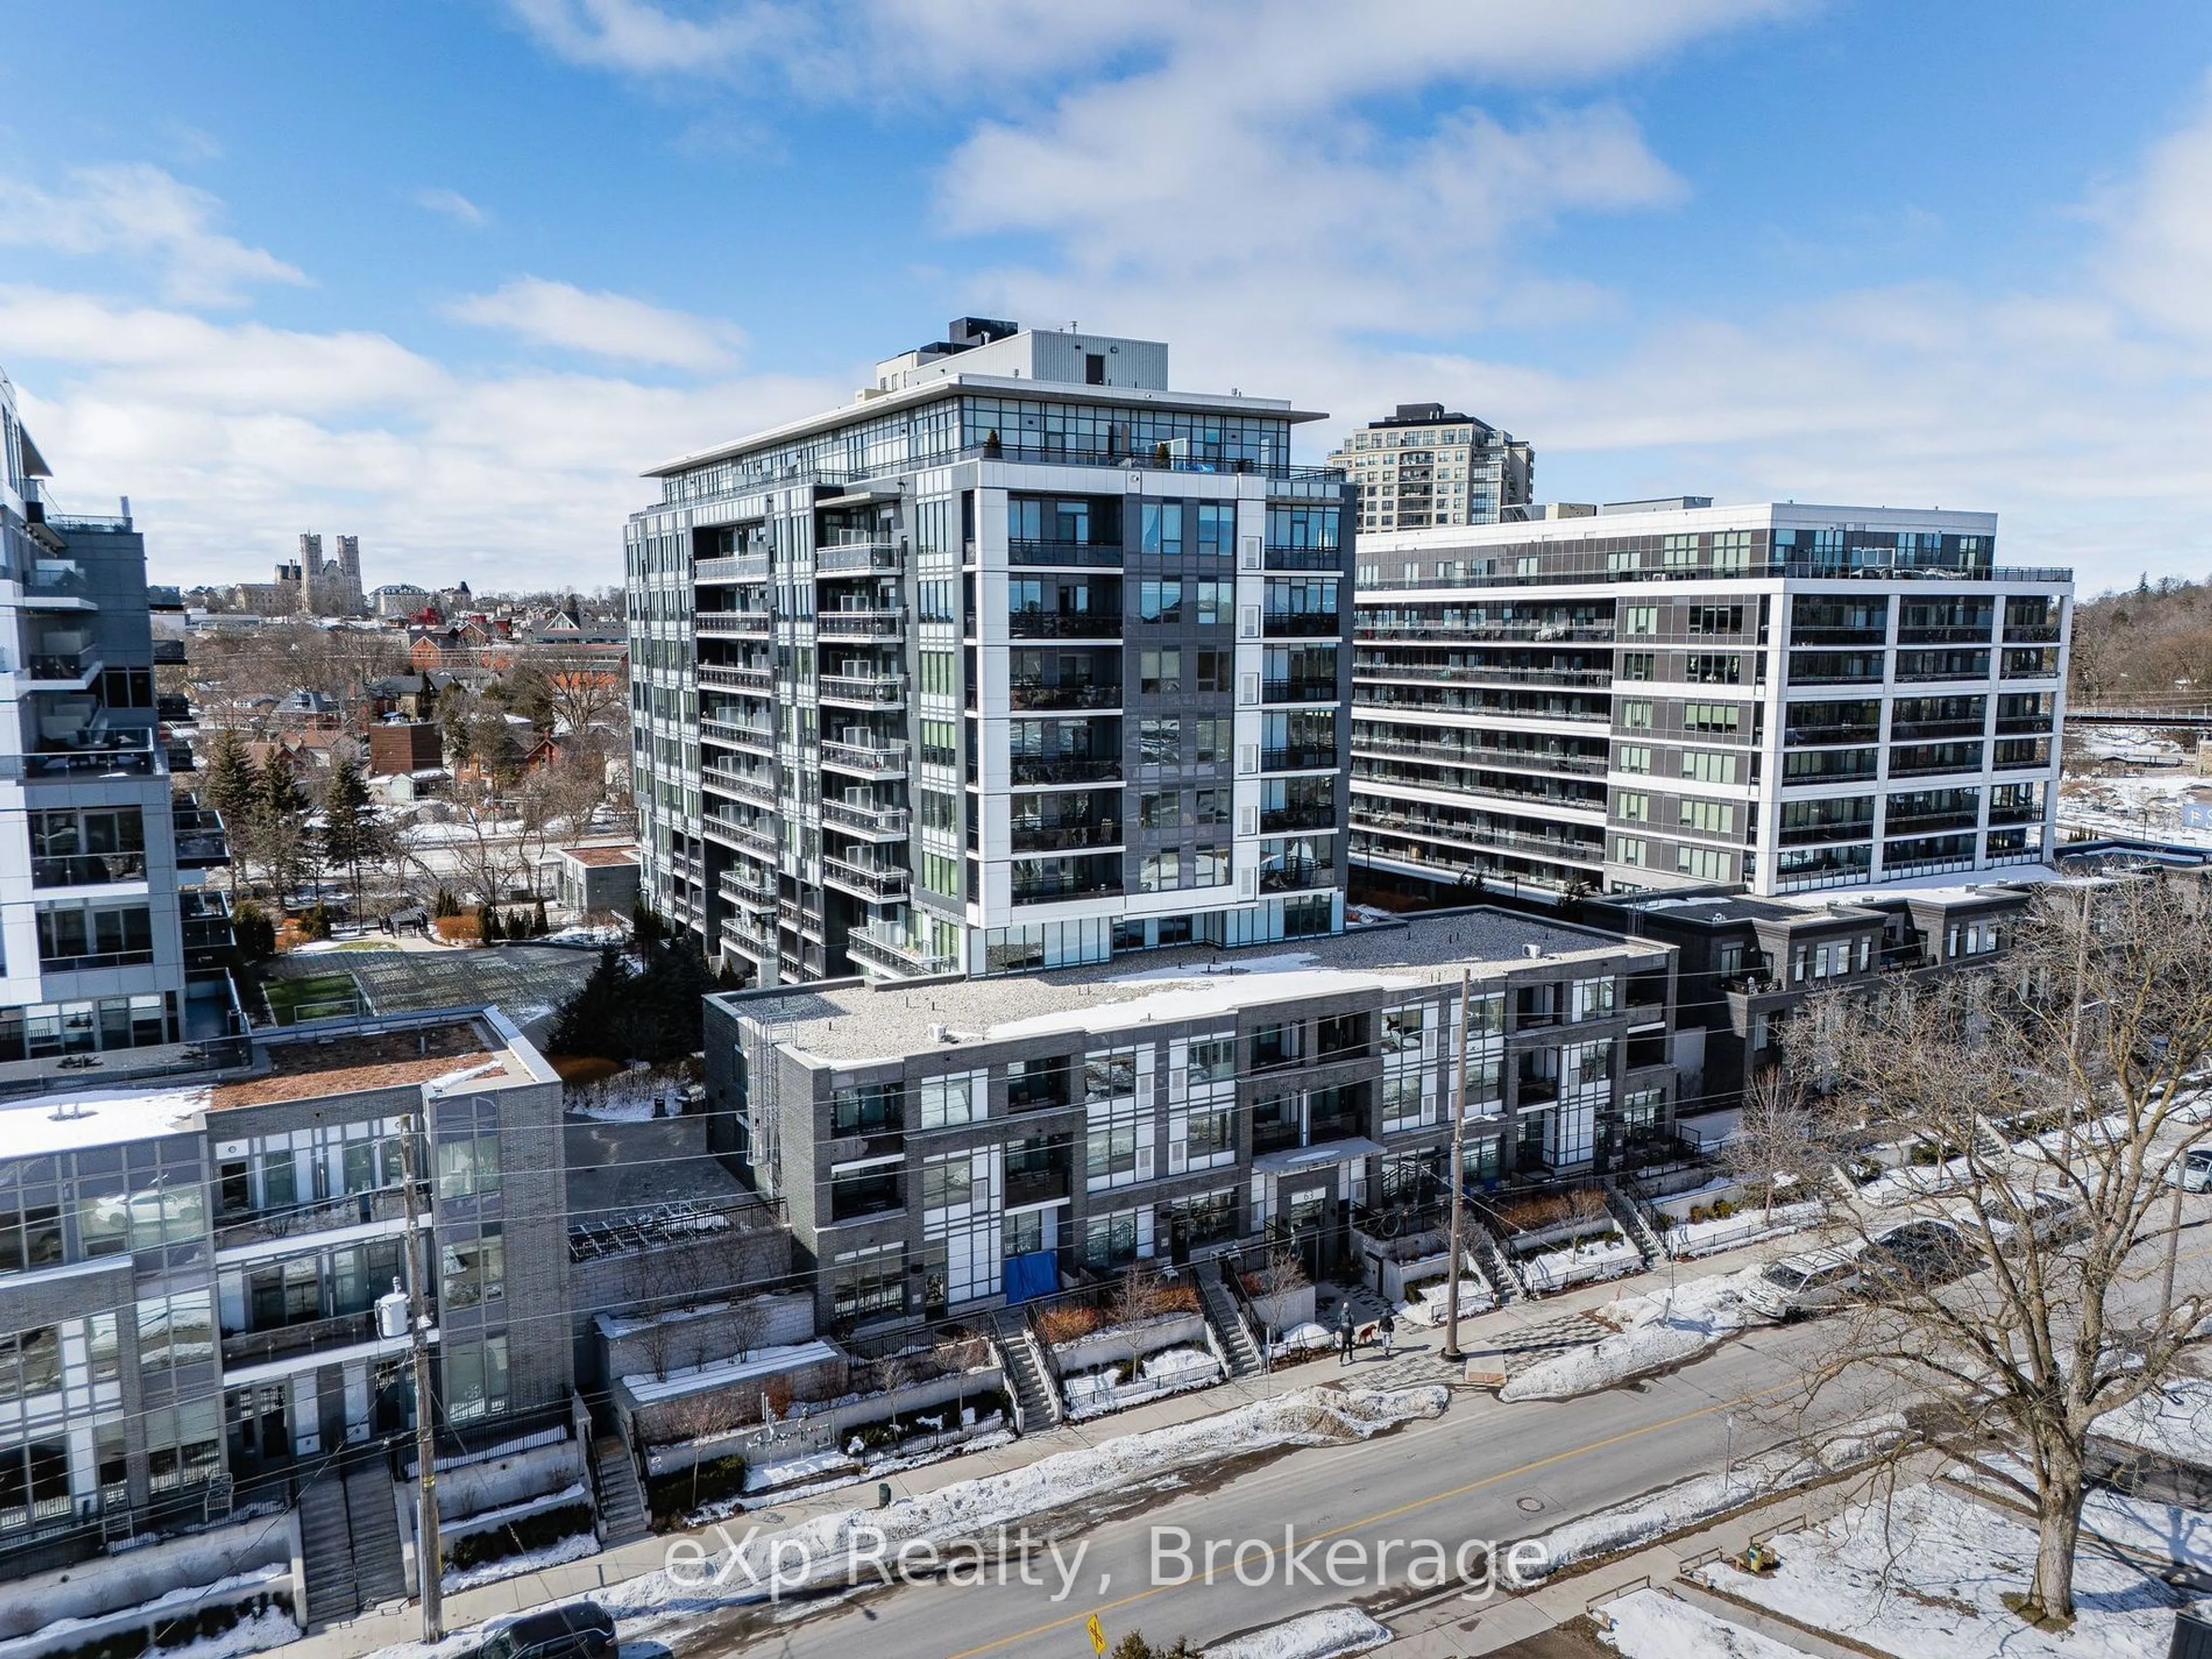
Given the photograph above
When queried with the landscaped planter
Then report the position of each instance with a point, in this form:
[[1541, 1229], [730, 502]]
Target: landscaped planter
[[1284, 1309], [1127, 1342], [1130, 1382], [1746, 1226]]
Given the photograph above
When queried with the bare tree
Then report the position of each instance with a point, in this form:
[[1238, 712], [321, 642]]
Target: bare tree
[[1781, 1151], [748, 1324], [2027, 1274]]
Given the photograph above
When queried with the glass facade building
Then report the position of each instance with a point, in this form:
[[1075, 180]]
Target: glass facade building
[[1022, 660]]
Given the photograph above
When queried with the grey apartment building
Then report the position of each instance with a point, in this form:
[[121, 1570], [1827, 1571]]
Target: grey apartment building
[[1021, 659], [1427, 466], [1664, 694], [108, 943], [934, 1144], [189, 1273]]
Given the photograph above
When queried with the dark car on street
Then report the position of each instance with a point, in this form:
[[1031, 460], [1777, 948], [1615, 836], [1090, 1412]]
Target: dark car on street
[[579, 1629]]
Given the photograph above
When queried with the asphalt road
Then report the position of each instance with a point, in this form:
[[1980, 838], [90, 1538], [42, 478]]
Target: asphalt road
[[1482, 1472]]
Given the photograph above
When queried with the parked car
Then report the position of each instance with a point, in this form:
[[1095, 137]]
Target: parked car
[[578, 1630], [1919, 1254], [2194, 1172], [1810, 1282]]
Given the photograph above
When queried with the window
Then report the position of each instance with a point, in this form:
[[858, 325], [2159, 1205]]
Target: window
[[1160, 672], [1217, 603], [30, 1362], [177, 1329], [1159, 601], [1160, 872], [1716, 618], [939, 811], [1620, 560], [1159, 742], [940, 875], [469, 1165], [870, 1289], [1212, 1061], [1217, 528], [947, 1183], [1639, 619], [944, 1101], [1711, 717], [71, 848], [1708, 767], [1109, 1074], [1110, 1241], [1731, 549], [1679, 552], [1109, 1149], [473, 1271], [184, 1444], [1215, 737], [1632, 757], [475, 1379], [941, 743], [1402, 1100], [870, 1108], [1278, 1045], [1705, 863], [1712, 817], [1402, 1028], [1161, 531], [1210, 1135], [1214, 671], [85, 935], [1591, 998], [1630, 849], [1632, 807], [1713, 668], [1638, 665], [1636, 714]]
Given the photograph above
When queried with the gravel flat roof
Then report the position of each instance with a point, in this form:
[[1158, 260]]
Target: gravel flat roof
[[850, 1022]]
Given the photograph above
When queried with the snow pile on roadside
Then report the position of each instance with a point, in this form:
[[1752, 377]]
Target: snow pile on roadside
[[1926, 1574], [1662, 1329], [1325, 1634], [1657, 1624], [809, 1466], [2174, 1421], [574, 1547], [264, 1630], [1686, 1503]]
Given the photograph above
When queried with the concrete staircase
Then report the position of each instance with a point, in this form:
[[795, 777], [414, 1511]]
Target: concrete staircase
[[623, 1519], [327, 1547], [1495, 1266], [1037, 1401], [1636, 1225], [1222, 1313], [380, 1573]]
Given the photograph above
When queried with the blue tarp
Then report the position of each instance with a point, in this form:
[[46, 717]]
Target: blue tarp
[[1035, 1274]]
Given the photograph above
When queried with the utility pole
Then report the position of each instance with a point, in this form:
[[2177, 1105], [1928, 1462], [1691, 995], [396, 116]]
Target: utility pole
[[1452, 1354], [428, 1570]]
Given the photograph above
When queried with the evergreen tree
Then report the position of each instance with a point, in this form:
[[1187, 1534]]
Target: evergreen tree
[[592, 1021], [488, 922], [231, 780], [539, 926], [353, 833], [276, 818], [253, 932]]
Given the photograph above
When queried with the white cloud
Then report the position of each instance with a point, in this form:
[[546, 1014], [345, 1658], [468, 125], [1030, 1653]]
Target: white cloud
[[141, 212], [230, 438], [450, 202], [613, 325]]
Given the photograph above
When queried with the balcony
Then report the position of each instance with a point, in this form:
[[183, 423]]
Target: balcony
[[300, 1220], [201, 841], [1092, 555], [1480, 673], [895, 955], [1066, 768], [1062, 625], [877, 883], [1034, 835], [1034, 1181], [67, 664], [1081, 694], [88, 869], [857, 818], [732, 567], [744, 884], [1477, 755], [857, 553], [753, 740], [1303, 624], [352, 1330], [1051, 889], [1926, 731], [882, 690], [752, 624], [756, 938], [1474, 837], [1298, 690], [1276, 820], [756, 788], [1301, 759], [1539, 1090], [1432, 632], [734, 831], [790, 913], [1299, 879], [887, 760], [859, 624], [129, 753], [1279, 557], [721, 676]]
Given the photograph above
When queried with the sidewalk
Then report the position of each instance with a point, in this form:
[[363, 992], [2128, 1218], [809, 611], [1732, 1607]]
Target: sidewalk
[[1416, 1361]]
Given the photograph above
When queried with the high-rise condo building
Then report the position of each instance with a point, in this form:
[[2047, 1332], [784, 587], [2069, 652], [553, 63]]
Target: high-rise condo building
[[1020, 659], [1425, 466], [1670, 694], [102, 915]]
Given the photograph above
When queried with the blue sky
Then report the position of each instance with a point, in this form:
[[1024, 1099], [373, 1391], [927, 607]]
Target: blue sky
[[446, 275]]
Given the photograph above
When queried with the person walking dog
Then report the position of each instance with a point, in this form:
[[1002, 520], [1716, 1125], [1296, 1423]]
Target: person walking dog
[[1344, 1335], [1389, 1331]]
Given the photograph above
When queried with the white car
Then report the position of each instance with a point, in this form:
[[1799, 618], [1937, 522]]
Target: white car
[[2194, 1172], [1798, 1285]]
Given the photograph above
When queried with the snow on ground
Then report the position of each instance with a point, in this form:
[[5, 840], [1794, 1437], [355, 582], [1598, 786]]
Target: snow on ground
[[573, 1547], [1171, 1370], [1433, 1304], [265, 1629], [1655, 1624], [1686, 1503], [1747, 1226], [629, 1096], [1578, 1264], [1654, 1333], [809, 1466], [1923, 1578], [1323, 1634], [2175, 1421]]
